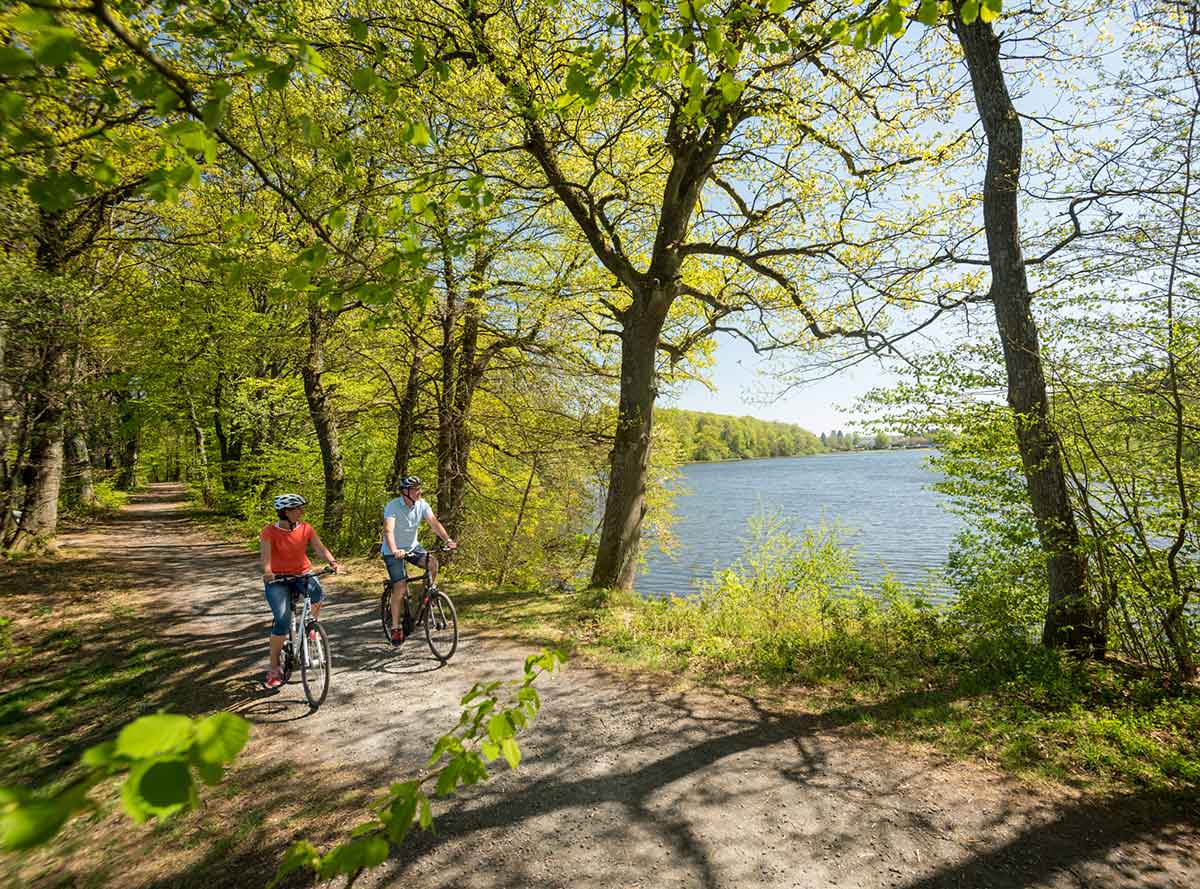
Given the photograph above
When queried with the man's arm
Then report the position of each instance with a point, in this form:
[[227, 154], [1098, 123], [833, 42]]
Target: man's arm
[[389, 533], [439, 530]]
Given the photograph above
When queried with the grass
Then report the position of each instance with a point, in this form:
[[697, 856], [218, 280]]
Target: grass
[[1102, 726], [68, 660]]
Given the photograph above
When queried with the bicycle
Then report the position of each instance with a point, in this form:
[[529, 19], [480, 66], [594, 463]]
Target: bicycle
[[314, 658], [435, 612]]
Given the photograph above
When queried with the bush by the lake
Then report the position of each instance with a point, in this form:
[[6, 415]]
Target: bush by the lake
[[792, 604]]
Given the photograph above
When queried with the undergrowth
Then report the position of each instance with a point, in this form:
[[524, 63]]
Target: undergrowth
[[792, 612]]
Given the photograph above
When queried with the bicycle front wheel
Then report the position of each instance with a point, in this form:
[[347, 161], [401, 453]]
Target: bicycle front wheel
[[287, 660], [441, 627], [385, 611], [315, 664]]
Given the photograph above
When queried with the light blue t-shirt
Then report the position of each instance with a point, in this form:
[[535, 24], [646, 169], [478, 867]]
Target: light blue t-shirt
[[408, 522]]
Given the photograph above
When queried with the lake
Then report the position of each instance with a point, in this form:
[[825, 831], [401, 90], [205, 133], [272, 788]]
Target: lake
[[882, 501]]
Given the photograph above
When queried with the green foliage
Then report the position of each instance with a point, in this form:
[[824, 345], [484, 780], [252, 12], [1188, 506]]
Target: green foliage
[[686, 43], [1034, 710], [162, 756], [955, 676], [703, 436], [493, 713], [790, 606]]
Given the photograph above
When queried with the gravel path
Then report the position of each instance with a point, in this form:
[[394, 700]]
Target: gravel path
[[626, 782]]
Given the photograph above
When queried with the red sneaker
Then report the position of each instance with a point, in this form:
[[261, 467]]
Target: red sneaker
[[397, 635], [274, 679]]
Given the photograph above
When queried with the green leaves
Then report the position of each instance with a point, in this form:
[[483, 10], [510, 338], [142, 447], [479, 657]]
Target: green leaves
[[58, 190], [363, 80], [464, 750], [15, 62], [216, 103], [158, 752], [220, 738], [26, 822], [158, 788], [511, 751], [990, 10], [352, 857], [415, 133], [302, 855]]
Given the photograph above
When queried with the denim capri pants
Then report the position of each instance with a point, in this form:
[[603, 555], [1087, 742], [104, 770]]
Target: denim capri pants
[[280, 600]]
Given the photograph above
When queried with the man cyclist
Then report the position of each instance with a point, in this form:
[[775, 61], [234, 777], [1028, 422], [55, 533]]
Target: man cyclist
[[401, 520], [283, 549]]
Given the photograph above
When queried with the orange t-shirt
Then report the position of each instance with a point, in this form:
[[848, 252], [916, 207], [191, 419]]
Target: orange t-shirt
[[289, 549]]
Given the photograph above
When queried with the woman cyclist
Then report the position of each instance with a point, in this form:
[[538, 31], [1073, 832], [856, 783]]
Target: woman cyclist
[[283, 549]]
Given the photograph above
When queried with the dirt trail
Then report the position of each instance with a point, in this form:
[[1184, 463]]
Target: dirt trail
[[625, 782]]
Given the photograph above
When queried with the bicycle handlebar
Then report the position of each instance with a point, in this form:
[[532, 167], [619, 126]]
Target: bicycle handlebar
[[326, 570], [432, 552]]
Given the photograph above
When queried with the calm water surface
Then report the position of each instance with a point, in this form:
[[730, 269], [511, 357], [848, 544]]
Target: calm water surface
[[882, 500]]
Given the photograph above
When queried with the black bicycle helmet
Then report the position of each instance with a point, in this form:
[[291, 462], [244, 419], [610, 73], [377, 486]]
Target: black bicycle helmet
[[288, 501], [410, 481]]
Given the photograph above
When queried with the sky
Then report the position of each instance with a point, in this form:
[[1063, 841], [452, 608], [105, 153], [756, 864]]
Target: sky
[[741, 390], [738, 386]]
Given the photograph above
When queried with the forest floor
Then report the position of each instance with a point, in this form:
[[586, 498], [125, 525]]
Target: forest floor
[[627, 780]]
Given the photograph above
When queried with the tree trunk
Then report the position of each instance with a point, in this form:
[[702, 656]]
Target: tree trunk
[[625, 503], [44, 469], [449, 353], [458, 456], [1070, 620], [324, 421], [507, 559], [406, 418], [229, 443], [130, 457], [198, 441], [81, 468], [8, 410]]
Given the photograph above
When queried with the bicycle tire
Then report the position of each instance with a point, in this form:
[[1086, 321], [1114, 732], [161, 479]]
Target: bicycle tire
[[385, 611], [287, 660], [316, 662], [441, 626]]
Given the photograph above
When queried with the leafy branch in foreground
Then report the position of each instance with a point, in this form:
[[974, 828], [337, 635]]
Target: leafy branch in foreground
[[486, 730], [158, 753]]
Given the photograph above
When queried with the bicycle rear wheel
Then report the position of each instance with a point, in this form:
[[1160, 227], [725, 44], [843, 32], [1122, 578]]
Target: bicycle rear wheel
[[315, 664], [441, 626]]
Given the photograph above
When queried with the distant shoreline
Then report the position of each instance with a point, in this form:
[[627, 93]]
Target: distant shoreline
[[817, 454]]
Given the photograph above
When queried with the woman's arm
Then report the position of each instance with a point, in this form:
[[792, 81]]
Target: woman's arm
[[264, 558], [324, 552]]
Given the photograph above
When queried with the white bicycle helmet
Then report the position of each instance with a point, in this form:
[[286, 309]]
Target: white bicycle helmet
[[289, 501]]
